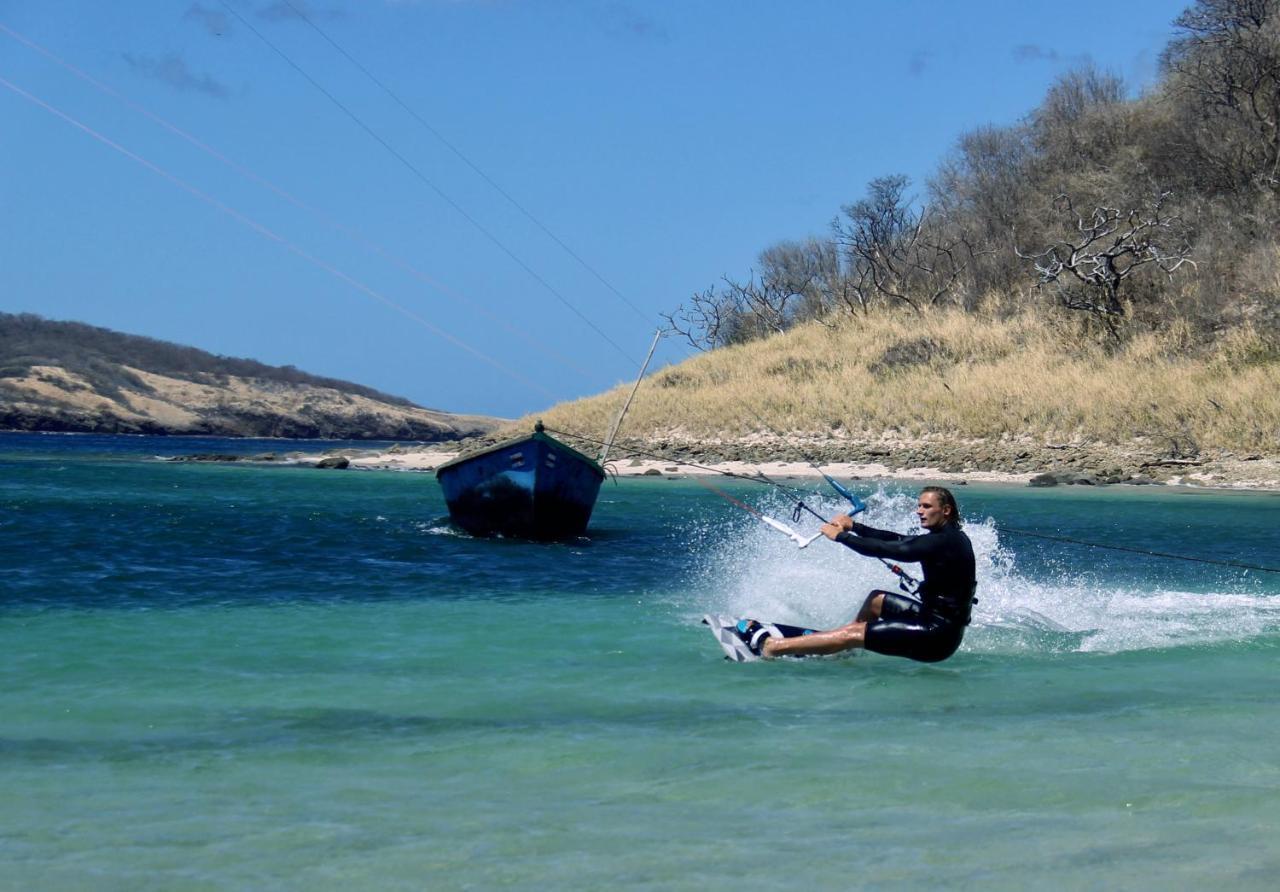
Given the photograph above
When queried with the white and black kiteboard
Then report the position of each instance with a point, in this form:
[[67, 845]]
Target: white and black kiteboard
[[724, 629]]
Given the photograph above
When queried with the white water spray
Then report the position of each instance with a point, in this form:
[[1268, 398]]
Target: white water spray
[[758, 573]]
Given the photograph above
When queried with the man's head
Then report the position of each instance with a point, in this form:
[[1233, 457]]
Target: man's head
[[936, 508]]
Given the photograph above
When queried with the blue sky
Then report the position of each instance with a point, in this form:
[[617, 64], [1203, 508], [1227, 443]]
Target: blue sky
[[243, 187]]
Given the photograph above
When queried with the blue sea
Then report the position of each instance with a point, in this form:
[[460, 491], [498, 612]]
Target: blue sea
[[257, 677]]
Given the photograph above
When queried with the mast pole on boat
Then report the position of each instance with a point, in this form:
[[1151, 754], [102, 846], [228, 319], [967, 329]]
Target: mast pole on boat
[[613, 432]]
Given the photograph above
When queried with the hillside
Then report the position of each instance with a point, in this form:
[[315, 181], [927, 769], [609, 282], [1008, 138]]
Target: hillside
[[962, 392], [68, 376]]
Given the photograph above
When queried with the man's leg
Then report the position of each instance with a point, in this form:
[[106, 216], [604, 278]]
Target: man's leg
[[833, 642], [871, 608], [847, 637]]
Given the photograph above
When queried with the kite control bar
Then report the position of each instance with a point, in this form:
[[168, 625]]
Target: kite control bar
[[801, 541]]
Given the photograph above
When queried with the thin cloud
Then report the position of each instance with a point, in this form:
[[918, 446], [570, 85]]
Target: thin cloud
[[281, 11], [620, 18], [172, 70], [294, 11], [215, 21], [1031, 52], [919, 62], [448, 2]]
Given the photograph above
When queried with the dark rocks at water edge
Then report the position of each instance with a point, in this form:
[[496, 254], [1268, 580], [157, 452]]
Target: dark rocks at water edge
[[337, 462], [1063, 478], [305, 423], [1051, 464], [225, 456], [1076, 478]]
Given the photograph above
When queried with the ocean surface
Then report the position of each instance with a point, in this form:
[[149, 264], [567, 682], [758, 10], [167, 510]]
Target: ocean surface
[[255, 677]]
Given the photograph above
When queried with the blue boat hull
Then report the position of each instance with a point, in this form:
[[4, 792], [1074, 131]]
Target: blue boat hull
[[534, 487]]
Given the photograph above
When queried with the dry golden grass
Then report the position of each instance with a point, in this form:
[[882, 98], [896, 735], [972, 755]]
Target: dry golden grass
[[959, 375]]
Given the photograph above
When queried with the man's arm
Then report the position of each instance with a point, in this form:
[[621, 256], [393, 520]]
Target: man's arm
[[903, 548], [867, 532], [842, 525]]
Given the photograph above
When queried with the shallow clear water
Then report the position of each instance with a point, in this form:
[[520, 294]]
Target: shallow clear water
[[221, 676]]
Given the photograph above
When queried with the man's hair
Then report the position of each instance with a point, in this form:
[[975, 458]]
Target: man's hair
[[947, 499]]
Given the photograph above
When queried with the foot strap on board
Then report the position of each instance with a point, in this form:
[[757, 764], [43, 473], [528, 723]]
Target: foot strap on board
[[753, 635]]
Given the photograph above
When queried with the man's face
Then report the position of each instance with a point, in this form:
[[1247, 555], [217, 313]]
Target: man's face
[[931, 511]]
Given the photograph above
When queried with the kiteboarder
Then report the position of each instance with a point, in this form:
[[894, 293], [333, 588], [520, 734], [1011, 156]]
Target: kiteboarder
[[926, 626]]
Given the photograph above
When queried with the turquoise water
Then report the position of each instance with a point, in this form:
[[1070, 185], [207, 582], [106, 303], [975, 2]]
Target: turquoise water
[[232, 677]]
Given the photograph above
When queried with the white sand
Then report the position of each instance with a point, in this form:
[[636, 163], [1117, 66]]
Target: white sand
[[626, 467]]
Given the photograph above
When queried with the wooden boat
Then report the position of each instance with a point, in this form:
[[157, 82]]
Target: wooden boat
[[532, 487]]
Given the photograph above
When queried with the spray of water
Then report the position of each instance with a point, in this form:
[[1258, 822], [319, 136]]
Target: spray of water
[[754, 571]]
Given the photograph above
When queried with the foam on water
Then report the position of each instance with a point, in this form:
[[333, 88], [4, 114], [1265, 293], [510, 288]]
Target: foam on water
[[753, 570], [441, 528]]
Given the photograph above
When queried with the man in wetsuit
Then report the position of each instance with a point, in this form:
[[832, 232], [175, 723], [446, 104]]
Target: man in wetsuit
[[927, 626]]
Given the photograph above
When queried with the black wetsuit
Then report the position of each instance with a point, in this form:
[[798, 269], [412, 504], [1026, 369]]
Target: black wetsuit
[[927, 627]]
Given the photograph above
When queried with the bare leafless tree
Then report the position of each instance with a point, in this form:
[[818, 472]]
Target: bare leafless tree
[[734, 312], [809, 270], [797, 281], [703, 322], [1089, 269], [894, 252], [980, 189], [1226, 63]]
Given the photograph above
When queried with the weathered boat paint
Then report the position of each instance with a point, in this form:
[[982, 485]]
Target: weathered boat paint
[[532, 487]]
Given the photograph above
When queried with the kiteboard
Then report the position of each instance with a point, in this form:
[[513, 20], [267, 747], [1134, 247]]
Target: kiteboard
[[724, 628]]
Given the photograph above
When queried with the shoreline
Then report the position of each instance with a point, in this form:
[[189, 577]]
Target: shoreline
[[1046, 466], [1016, 461]]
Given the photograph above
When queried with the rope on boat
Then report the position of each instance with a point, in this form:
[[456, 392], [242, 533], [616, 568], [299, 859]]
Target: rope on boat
[[613, 431]]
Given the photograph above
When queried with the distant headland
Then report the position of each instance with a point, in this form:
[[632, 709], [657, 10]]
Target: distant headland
[[73, 377]]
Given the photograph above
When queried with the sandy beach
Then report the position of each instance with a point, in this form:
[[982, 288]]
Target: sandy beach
[[640, 467]]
